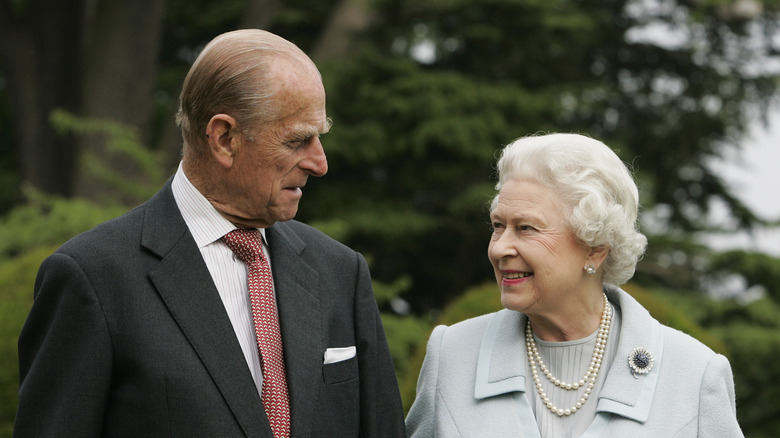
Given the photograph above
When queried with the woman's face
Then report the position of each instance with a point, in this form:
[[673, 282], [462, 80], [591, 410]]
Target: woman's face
[[538, 262]]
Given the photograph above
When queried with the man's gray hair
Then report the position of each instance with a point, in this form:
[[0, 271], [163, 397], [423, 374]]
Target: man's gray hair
[[233, 75]]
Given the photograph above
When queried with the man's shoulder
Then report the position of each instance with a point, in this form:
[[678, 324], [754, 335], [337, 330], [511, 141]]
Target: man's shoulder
[[125, 229], [106, 234], [309, 235]]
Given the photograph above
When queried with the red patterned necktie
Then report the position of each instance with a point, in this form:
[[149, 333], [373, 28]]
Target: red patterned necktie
[[247, 244]]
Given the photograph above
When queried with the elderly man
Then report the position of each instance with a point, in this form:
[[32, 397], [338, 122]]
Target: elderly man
[[207, 311]]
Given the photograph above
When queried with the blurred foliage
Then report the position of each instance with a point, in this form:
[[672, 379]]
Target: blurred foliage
[[758, 269], [435, 88], [666, 100], [16, 284], [119, 140], [755, 373], [420, 145], [403, 331], [46, 220]]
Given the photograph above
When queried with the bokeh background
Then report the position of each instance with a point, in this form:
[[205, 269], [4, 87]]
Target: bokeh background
[[423, 94]]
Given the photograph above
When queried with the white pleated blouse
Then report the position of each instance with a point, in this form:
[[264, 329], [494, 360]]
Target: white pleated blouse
[[568, 361]]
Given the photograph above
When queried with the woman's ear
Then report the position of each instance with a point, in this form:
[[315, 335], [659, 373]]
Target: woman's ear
[[223, 139], [597, 255]]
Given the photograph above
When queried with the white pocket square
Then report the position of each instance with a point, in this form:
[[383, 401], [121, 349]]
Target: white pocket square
[[333, 355]]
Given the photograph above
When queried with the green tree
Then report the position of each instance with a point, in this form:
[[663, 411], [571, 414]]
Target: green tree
[[415, 135]]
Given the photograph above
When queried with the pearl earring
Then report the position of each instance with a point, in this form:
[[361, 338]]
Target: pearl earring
[[590, 269]]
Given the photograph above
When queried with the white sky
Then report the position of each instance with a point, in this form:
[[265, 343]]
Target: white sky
[[754, 174]]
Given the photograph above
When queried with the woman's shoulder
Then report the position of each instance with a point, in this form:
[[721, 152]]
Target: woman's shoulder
[[681, 346], [678, 347], [470, 332], [475, 324]]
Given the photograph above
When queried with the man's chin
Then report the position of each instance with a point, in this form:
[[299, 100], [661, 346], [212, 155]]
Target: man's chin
[[285, 215]]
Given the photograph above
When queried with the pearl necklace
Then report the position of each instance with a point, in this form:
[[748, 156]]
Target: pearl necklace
[[588, 380]]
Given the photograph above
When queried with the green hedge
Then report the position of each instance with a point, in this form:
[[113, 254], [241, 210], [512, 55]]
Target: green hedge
[[17, 277]]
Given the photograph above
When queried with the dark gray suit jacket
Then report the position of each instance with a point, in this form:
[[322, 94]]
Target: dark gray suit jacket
[[128, 337]]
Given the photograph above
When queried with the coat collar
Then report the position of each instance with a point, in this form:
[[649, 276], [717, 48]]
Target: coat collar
[[502, 361]]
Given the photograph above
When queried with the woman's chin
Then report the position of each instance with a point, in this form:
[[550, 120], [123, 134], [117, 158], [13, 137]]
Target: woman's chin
[[513, 300]]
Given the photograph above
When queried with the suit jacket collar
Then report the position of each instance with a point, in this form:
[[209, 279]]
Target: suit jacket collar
[[502, 365], [187, 289]]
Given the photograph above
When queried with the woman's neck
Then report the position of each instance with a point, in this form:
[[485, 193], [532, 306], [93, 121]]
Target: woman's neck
[[576, 320]]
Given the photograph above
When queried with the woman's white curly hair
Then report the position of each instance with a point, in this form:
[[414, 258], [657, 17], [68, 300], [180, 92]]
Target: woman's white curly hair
[[596, 193]]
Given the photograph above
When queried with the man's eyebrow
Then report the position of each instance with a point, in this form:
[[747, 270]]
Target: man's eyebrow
[[327, 126], [310, 131]]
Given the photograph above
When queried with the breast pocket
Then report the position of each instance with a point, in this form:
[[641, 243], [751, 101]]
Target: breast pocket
[[340, 372]]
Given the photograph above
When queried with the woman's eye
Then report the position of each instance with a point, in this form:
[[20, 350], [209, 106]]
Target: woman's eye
[[525, 228]]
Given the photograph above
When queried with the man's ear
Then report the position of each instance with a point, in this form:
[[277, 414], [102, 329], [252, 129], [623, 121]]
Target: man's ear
[[597, 255], [222, 138]]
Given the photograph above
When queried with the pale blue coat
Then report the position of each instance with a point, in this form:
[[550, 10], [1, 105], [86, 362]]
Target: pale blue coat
[[473, 382]]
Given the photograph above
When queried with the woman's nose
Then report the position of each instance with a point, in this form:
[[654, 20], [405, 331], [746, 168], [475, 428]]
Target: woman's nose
[[502, 246]]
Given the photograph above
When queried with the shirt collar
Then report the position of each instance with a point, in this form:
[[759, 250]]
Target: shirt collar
[[203, 220]]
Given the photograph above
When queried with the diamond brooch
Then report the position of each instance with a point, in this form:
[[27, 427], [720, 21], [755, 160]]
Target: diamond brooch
[[640, 361]]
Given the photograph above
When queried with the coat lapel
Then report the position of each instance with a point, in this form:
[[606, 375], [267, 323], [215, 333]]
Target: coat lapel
[[501, 364], [623, 394], [185, 285], [300, 319], [501, 368]]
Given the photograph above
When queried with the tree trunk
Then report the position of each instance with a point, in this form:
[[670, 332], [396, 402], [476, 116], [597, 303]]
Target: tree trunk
[[120, 70], [348, 19], [40, 46]]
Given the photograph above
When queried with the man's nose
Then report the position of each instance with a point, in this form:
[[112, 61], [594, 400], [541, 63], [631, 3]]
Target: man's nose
[[315, 163]]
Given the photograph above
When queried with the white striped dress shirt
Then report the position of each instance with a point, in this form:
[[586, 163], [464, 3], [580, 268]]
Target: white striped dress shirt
[[228, 271]]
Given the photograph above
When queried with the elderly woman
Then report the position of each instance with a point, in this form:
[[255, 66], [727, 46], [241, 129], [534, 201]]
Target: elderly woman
[[572, 355]]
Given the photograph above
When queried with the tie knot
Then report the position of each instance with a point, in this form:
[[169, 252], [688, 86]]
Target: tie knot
[[246, 243]]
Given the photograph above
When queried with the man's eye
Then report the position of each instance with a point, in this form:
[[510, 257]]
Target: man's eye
[[297, 144]]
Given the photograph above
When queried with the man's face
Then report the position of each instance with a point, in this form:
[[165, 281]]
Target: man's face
[[269, 172]]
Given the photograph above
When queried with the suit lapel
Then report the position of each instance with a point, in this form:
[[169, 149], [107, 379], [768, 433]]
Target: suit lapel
[[185, 285], [300, 320]]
